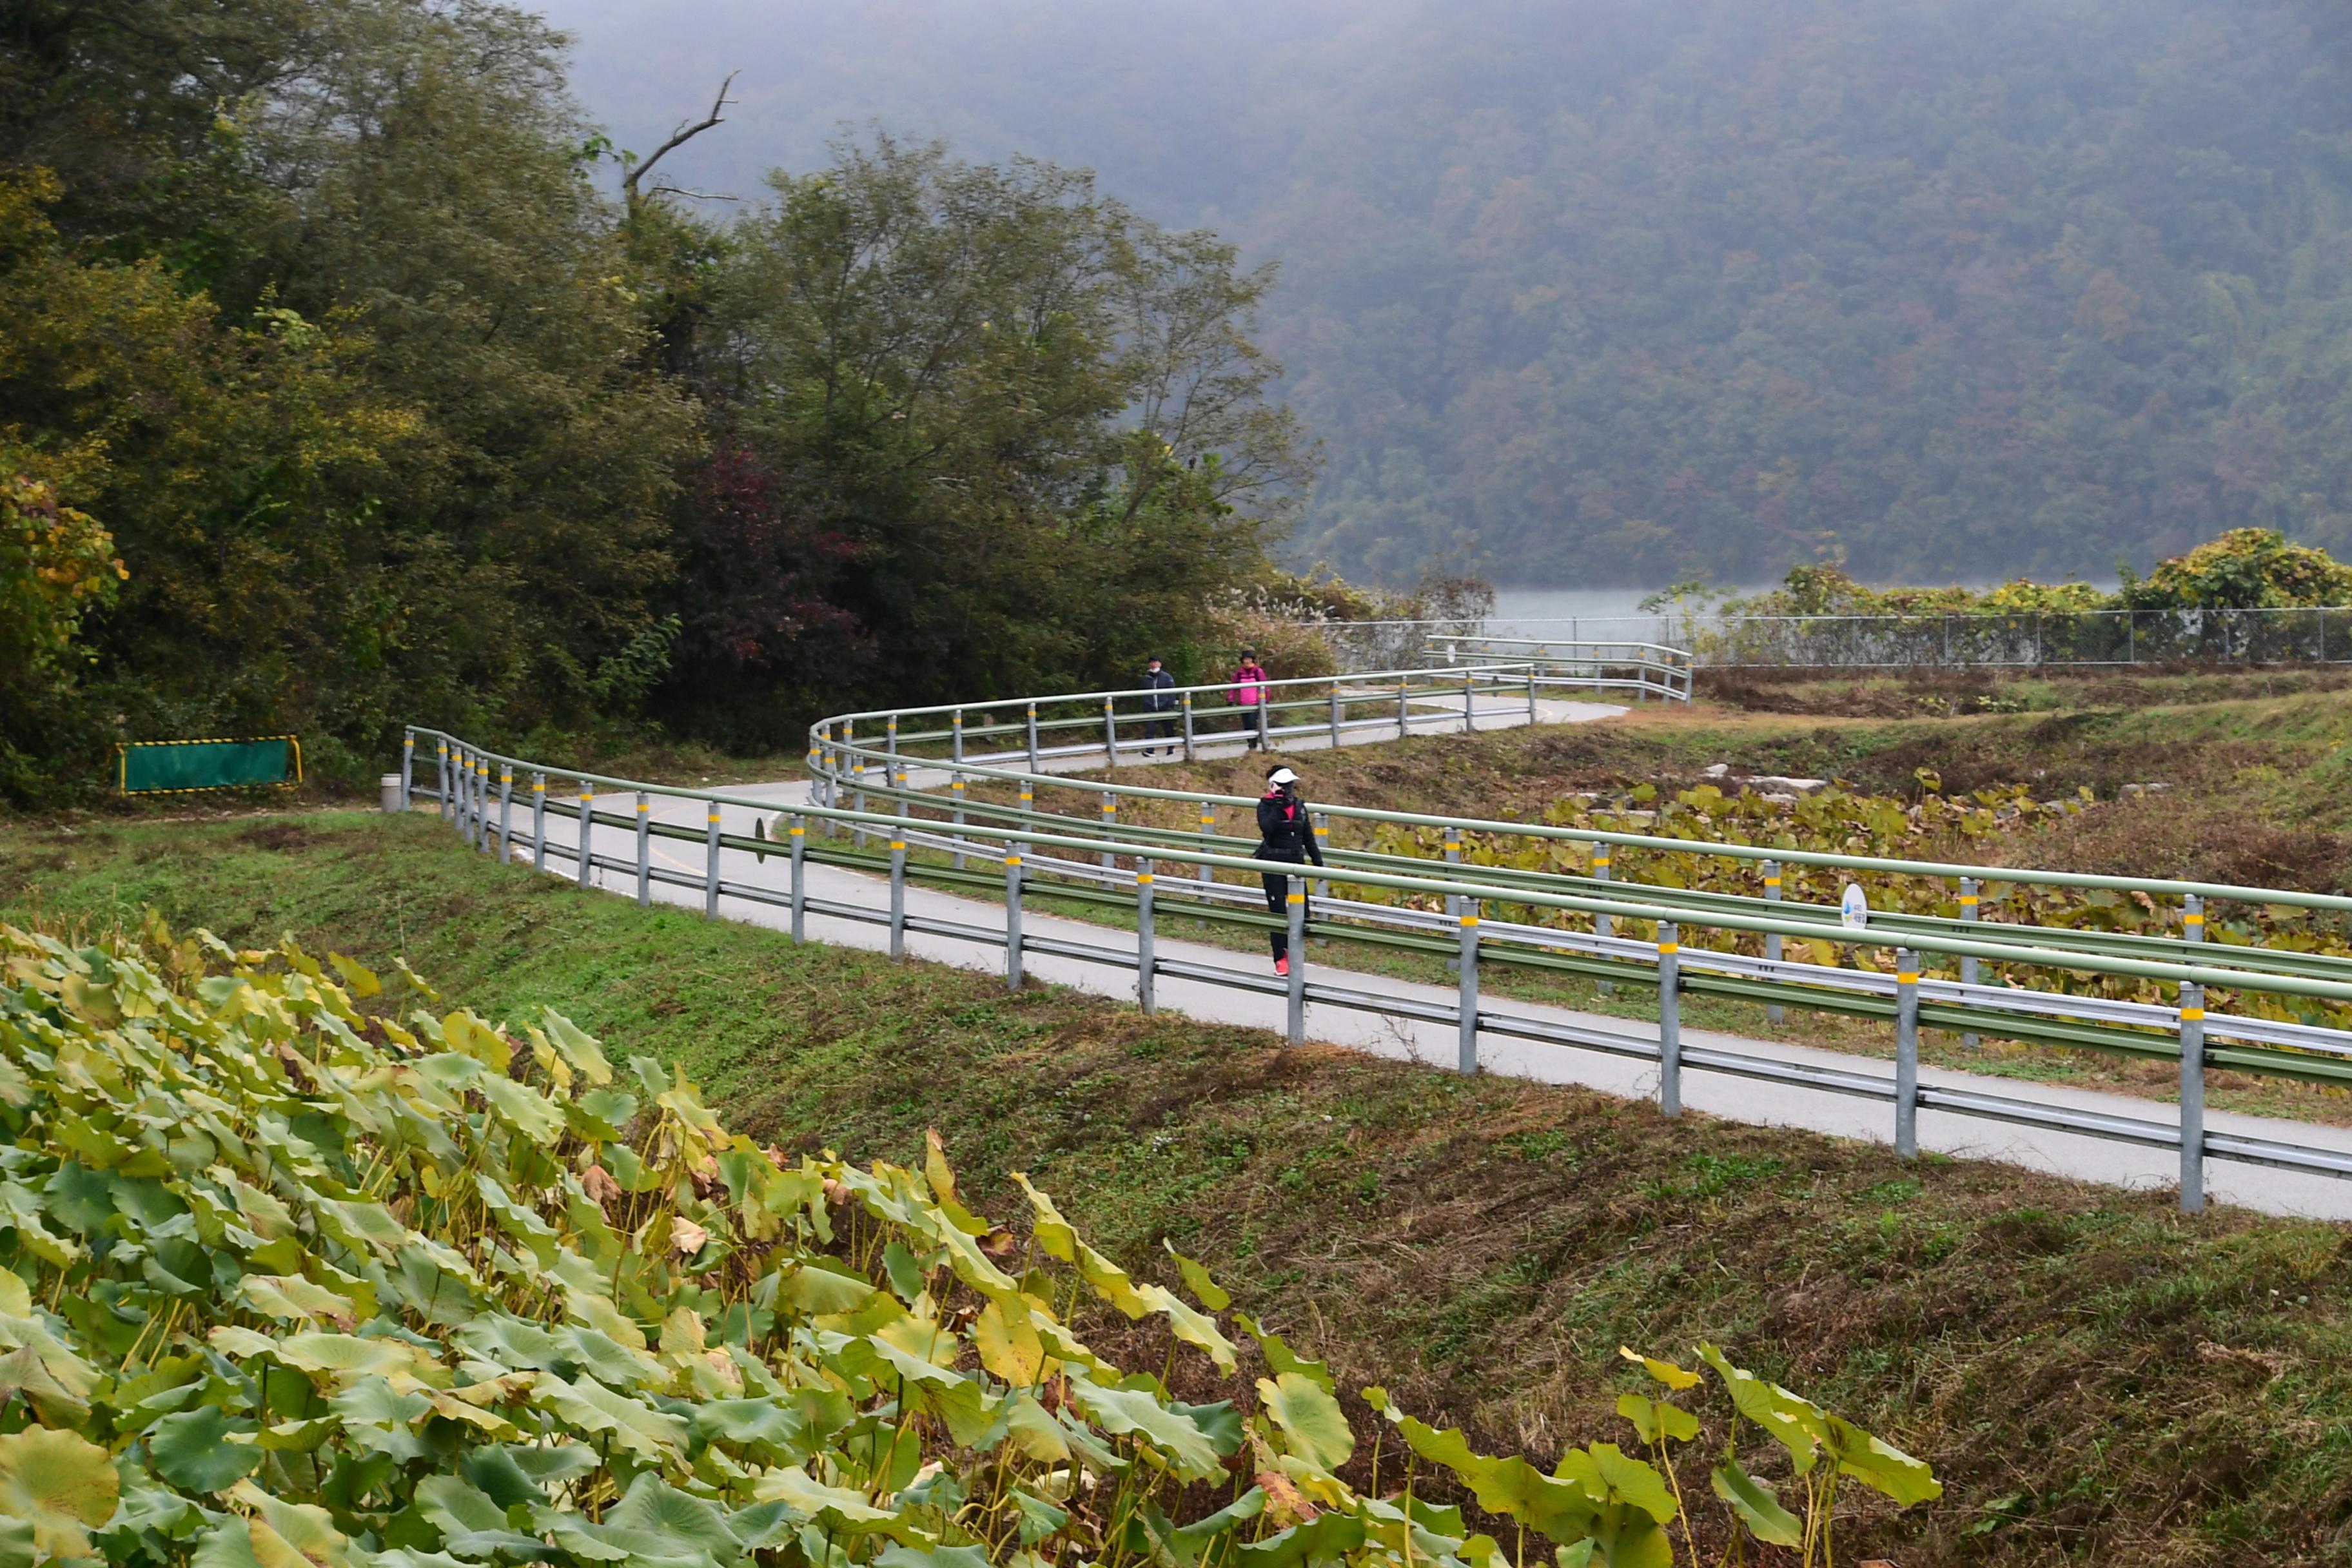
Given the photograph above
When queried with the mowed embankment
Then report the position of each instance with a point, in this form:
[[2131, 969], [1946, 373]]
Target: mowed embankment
[[2095, 1377]]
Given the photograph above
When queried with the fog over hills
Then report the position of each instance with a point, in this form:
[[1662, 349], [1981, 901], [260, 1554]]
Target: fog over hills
[[1616, 291]]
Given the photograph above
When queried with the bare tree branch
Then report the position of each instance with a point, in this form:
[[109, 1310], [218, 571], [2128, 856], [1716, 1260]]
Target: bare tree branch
[[696, 195], [685, 133]]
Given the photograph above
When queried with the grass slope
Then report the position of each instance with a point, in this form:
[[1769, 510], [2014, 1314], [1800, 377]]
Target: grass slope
[[2095, 1377]]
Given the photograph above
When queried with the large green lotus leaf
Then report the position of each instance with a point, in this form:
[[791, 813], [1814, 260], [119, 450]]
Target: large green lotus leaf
[[289, 1297], [1121, 1410], [493, 1469], [656, 1509], [1657, 1420], [1755, 1506], [60, 1484], [514, 1344], [932, 1557], [764, 1526], [1197, 1280], [579, 1047], [599, 1115], [1796, 1423], [818, 1290], [1880, 1466], [345, 1356], [812, 1500], [469, 1523], [1189, 1324], [526, 1109], [1280, 1358], [22, 1370], [226, 1545], [1310, 1418], [82, 1199], [590, 1407], [1326, 1538], [192, 1450]]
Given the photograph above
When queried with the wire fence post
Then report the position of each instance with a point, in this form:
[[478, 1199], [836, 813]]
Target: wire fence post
[[897, 897], [1971, 892], [1296, 1031], [1145, 965], [711, 860], [587, 829], [1906, 1054], [506, 813], [955, 795], [1032, 737], [1110, 736], [1670, 1021], [645, 850], [1109, 825], [539, 822], [1772, 1014], [1604, 924], [1012, 914], [1208, 841], [2192, 1097], [2192, 919], [1465, 1058], [407, 768], [441, 757], [1187, 704], [800, 878]]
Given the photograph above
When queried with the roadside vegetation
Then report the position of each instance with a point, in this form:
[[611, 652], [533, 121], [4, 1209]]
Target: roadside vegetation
[[2092, 1377]]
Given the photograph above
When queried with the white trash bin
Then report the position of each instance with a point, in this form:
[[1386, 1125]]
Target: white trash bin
[[390, 787]]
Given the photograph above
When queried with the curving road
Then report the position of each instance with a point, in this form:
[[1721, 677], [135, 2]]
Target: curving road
[[1403, 1038]]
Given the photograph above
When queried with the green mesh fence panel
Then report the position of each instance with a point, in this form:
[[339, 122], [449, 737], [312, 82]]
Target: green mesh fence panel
[[152, 767]]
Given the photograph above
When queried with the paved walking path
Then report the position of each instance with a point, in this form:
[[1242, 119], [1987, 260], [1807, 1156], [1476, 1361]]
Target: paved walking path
[[1735, 1098]]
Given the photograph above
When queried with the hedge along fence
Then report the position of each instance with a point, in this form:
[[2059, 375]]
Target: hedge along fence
[[284, 1282]]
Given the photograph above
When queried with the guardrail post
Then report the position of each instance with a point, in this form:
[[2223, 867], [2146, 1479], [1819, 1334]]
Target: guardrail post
[[441, 757], [800, 877], [1772, 1013], [482, 804], [890, 749], [711, 860], [506, 813], [1670, 1021], [2192, 919], [955, 736], [1187, 705], [1208, 841], [1032, 737], [1906, 1054], [539, 822], [1145, 963], [1012, 914], [1466, 1059], [1109, 825], [1110, 736], [1531, 697], [1469, 685], [407, 768], [645, 850], [587, 830], [1453, 857], [857, 799], [2192, 1097], [1971, 892], [1404, 710], [955, 794], [1323, 847], [1604, 925], [1297, 1011], [897, 897], [1335, 715]]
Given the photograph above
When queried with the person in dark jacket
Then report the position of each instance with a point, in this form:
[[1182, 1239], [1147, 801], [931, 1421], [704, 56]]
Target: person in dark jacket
[[1286, 833], [1161, 686]]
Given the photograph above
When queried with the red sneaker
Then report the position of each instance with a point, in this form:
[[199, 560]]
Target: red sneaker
[[1282, 964]]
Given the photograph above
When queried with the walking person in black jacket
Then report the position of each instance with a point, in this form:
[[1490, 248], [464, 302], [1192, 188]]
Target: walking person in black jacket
[[1286, 833], [1159, 683]]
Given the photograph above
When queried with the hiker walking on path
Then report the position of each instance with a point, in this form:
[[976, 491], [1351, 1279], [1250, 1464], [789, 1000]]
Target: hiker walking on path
[[1284, 834], [1159, 684], [1249, 695]]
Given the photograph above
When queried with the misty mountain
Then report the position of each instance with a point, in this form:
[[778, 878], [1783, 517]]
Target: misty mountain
[[1623, 289]]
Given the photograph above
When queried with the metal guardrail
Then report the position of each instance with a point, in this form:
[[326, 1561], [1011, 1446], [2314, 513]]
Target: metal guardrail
[[1416, 907]]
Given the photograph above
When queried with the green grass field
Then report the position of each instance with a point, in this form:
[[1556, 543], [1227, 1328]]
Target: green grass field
[[2096, 1378]]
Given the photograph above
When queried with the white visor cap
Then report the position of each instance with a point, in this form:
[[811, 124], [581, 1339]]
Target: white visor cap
[[1282, 776]]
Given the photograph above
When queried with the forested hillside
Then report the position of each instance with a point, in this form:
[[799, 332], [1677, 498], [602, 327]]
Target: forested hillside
[[1640, 289], [339, 391]]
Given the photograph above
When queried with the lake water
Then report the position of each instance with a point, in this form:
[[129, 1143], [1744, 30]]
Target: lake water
[[1576, 611]]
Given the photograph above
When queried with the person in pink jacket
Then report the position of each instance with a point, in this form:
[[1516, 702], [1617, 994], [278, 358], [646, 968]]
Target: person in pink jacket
[[1249, 695]]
